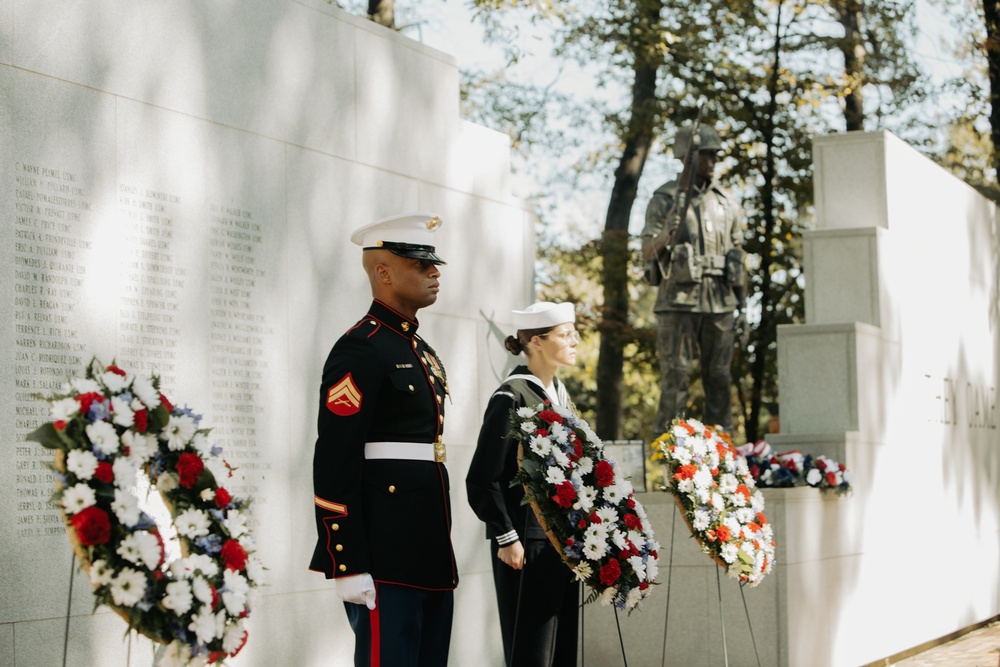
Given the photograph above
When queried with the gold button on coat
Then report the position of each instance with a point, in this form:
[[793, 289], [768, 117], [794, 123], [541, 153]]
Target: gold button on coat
[[343, 568], [340, 547], [335, 526], [392, 489]]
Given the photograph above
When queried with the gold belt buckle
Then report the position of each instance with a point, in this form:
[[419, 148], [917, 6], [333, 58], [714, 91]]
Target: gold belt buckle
[[440, 455]]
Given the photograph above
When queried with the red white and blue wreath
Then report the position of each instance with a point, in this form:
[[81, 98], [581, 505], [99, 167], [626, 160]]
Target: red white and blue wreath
[[588, 510], [109, 430]]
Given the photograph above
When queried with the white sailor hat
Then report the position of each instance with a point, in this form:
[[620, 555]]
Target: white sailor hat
[[543, 315], [407, 235]]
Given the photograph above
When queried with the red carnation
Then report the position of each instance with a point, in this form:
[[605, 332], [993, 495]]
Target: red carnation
[[761, 519], [755, 471], [582, 524], [222, 498], [821, 464], [542, 433], [104, 472], [189, 467], [594, 518], [233, 555], [167, 404], [831, 479], [114, 369], [610, 573], [688, 427], [92, 526], [743, 491], [632, 521], [141, 420], [605, 473], [86, 399], [578, 449], [723, 533], [630, 502], [643, 585], [59, 425], [565, 494], [550, 417]]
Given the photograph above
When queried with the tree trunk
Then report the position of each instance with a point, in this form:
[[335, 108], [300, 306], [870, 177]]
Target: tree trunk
[[382, 12], [614, 323], [853, 49], [767, 329], [991, 12]]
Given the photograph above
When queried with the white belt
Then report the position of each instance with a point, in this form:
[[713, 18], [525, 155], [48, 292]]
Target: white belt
[[409, 451]]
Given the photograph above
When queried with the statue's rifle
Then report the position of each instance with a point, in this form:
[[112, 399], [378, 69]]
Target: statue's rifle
[[678, 214]]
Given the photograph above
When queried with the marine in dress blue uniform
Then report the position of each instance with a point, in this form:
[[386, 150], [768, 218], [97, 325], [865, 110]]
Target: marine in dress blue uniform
[[382, 503]]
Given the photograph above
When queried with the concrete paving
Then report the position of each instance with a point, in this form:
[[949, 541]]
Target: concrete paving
[[979, 648]]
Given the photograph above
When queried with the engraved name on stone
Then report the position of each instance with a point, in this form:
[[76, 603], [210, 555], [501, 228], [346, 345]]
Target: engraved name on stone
[[148, 331], [240, 338], [50, 257]]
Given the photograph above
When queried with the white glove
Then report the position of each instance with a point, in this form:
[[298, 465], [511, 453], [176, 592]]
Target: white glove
[[357, 588]]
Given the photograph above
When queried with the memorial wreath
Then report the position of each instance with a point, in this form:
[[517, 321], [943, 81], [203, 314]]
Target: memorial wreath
[[585, 506], [718, 499], [108, 430]]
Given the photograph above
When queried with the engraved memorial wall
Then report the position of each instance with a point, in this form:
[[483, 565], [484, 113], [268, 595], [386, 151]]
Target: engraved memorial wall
[[177, 189]]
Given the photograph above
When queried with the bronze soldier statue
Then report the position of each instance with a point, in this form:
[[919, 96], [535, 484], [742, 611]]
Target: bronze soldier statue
[[692, 247]]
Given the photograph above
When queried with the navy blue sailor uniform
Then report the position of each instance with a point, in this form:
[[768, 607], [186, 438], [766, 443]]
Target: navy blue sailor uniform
[[382, 498], [538, 605]]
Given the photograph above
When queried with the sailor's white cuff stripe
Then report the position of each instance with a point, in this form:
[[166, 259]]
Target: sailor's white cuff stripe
[[507, 538]]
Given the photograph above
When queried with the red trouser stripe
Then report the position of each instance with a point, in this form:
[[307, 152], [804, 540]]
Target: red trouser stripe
[[375, 657]]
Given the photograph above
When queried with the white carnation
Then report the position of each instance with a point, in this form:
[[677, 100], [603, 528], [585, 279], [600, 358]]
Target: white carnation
[[103, 436], [540, 446], [124, 471], [126, 508], [100, 573], [146, 392], [234, 592], [178, 598], [255, 569], [236, 524], [206, 625], [178, 432], [141, 548], [85, 386], [203, 564], [555, 475], [81, 463], [114, 382], [64, 409], [140, 446], [234, 637], [121, 413], [78, 498], [191, 523], [128, 587]]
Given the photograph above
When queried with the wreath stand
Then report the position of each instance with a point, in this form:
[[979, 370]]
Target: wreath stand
[[718, 582], [69, 608]]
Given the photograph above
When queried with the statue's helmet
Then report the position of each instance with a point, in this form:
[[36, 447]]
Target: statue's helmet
[[709, 140]]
